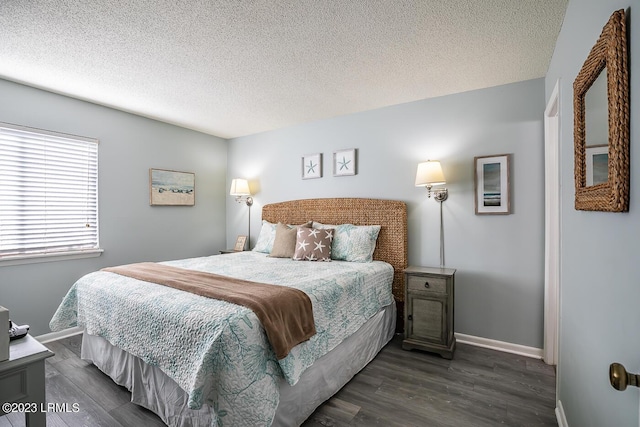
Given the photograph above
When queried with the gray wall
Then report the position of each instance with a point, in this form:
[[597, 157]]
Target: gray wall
[[499, 283], [130, 229], [599, 289]]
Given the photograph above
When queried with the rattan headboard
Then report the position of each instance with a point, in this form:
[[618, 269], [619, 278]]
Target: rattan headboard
[[391, 215]]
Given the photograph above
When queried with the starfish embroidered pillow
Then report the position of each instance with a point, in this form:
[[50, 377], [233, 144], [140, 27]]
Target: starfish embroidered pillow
[[313, 244]]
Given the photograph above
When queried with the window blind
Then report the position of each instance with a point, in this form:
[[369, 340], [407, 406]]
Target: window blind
[[48, 192]]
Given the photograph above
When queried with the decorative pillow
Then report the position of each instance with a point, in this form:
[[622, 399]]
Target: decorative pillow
[[268, 235], [313, 244], [284, 244], [355, 243]]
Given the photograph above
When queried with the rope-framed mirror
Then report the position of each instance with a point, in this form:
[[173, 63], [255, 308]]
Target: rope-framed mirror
[[601, 163]]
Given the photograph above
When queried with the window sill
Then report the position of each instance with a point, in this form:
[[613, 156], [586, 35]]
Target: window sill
[[60, 256]]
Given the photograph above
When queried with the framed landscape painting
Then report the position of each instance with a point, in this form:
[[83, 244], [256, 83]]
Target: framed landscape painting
[[492, 185], [171, 188]]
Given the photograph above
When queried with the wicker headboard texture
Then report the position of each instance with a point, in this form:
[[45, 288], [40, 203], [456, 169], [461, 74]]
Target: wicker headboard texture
[[391, 215]]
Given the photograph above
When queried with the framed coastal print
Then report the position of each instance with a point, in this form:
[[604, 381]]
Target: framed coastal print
[[492, 195], [171, 188], [240, 242], [344, 162], [597, 164], [312, 166]]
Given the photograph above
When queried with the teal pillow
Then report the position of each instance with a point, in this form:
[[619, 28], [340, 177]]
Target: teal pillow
[[354, 243], [268, 235]]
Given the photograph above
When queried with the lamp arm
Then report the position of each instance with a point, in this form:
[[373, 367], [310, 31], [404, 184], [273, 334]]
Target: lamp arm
[[441, 194]]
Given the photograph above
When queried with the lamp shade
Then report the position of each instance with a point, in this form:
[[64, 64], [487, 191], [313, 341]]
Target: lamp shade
[[239, 187], [429, 173]]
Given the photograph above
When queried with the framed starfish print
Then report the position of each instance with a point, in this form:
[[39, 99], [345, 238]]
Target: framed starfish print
[[312, 166], [344, 162]]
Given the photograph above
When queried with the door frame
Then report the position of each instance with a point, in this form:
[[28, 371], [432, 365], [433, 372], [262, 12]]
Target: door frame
[[552, 226]]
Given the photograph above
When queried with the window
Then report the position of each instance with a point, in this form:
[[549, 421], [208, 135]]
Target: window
[[48, 194]]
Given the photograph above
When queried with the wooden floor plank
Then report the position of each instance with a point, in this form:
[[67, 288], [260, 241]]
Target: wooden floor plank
[[61, 390], [449, 409], [74, 343], [4, 422], [337, 410], [61, 351], [131, 414], [14, 419], [479, 387], [94, 383]]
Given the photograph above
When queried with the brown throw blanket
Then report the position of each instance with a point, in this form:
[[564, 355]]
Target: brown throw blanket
[[286, 313]]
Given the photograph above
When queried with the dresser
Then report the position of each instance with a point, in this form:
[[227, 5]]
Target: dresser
[[428, 310], [22, 380]]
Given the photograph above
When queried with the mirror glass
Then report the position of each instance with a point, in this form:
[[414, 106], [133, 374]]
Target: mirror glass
[[601, 123], [596, 117]]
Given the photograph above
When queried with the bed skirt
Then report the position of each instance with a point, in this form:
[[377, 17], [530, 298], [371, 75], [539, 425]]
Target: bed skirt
[[154, 390]]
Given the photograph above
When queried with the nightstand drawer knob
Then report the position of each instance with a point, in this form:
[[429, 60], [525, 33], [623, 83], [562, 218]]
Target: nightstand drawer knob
[[427, 285], [410, 317]]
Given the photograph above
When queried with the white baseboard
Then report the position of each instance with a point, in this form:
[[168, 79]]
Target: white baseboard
[[507, 347], [54, 336], [560, 417]]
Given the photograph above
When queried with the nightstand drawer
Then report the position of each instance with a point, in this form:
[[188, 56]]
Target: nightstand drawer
[[427, 284]]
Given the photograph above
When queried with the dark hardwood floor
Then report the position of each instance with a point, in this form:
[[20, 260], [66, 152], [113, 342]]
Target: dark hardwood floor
[[479, 387]]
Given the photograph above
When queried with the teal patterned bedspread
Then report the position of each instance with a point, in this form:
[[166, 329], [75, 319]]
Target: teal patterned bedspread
[[217, 351]]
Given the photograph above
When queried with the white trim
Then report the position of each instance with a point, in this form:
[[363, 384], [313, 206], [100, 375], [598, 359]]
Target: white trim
[[560, 416], [552, 227], [49, 132], [49, 257], [506, 347], [55, 336]]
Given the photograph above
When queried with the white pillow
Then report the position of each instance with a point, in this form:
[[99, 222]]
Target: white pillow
[[355, 243]]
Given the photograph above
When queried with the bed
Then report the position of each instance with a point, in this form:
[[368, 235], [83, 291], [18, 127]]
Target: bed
[[195, 361]]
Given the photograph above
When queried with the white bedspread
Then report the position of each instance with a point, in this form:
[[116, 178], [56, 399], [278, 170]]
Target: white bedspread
[[216, 351]]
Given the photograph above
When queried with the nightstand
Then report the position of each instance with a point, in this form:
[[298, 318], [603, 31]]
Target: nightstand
[[428, 310], [22, 379]]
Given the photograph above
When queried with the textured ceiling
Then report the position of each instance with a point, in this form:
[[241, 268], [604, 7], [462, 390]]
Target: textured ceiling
[[232, 68]]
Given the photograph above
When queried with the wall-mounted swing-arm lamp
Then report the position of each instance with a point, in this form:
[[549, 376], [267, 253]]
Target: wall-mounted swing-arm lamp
[[240, 189], [428, 175]]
